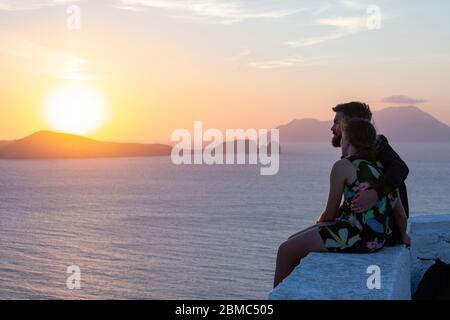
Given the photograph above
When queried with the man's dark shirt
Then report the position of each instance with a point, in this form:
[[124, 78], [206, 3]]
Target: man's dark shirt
[[395, 172]]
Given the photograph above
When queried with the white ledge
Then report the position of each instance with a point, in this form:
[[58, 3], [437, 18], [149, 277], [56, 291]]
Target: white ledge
[[335, 276]]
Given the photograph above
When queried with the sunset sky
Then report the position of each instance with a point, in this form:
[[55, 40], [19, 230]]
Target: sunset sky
[[158, 65]]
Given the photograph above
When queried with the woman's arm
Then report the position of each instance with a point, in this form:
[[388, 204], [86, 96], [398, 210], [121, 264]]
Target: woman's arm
[[339, 173]]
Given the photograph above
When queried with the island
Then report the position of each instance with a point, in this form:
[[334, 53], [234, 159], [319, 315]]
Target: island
[[56, 145]]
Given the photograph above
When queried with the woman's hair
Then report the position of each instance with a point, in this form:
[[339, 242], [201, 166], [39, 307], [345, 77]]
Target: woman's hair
[[362, 135]]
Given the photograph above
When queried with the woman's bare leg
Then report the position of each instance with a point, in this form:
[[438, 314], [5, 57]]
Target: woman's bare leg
[[293, 250]]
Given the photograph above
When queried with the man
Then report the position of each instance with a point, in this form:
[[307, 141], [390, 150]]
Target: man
[[395, 170]]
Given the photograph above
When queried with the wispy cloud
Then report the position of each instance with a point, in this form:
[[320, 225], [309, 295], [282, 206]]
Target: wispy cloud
[[311, 41], [294, 62], [341, 19], [352, 22], [32, 57], [212, 11], [342, 27], [401, 99], [18, 5]]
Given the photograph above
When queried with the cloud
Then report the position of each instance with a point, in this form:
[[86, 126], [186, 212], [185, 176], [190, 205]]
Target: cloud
[[294, 62], [400, 99], [18, 5], [212, 11], [311, 41], [352, 22], [35, 58], [344, 27], [341, 19]]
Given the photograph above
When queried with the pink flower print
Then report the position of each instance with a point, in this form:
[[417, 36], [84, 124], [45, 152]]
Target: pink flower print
[[361, 187], [374, 245]]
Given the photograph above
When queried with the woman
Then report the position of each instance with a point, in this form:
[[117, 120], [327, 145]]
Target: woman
[[338, 228]]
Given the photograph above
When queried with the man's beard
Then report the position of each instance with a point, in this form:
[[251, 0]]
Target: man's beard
[[336, 140]]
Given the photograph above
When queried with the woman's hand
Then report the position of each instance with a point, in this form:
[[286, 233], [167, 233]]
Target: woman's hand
[[320, 219]]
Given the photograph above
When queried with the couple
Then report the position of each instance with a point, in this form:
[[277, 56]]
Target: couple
[[370, 176]]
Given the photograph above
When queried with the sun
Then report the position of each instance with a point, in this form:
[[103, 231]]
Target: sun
[[75, 109]]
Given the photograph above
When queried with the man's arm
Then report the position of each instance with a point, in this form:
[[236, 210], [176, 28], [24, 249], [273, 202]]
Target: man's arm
[[395, 170]]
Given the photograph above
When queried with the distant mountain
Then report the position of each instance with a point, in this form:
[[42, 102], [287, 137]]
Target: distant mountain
[[54, 145], [402, 124], [410, 124], [305, 130]]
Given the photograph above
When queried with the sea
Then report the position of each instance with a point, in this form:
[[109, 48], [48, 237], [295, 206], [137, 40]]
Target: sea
[[144, 228]]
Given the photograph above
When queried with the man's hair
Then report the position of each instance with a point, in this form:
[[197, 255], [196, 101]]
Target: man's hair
[[354, 110]]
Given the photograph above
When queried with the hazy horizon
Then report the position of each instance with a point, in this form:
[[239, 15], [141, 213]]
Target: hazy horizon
[[149, 140]]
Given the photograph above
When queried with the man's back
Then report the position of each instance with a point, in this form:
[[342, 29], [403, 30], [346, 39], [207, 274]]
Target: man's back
[[395, 172]]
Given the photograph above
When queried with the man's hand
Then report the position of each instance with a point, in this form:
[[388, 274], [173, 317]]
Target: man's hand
[[364, 200]]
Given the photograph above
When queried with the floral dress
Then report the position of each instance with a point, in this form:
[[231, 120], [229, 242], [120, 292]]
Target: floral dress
[[362, 232]]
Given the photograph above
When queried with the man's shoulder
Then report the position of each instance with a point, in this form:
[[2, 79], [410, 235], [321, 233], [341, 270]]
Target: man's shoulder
[[381, 142], [382, 139]]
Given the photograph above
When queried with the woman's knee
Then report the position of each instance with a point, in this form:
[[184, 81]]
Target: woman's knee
[[282, 248], [290, 248]]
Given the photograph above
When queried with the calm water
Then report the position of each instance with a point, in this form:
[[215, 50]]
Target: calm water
[[144, 228]]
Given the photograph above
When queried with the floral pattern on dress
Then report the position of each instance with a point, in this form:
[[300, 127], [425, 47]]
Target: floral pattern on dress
[[360, 232]]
